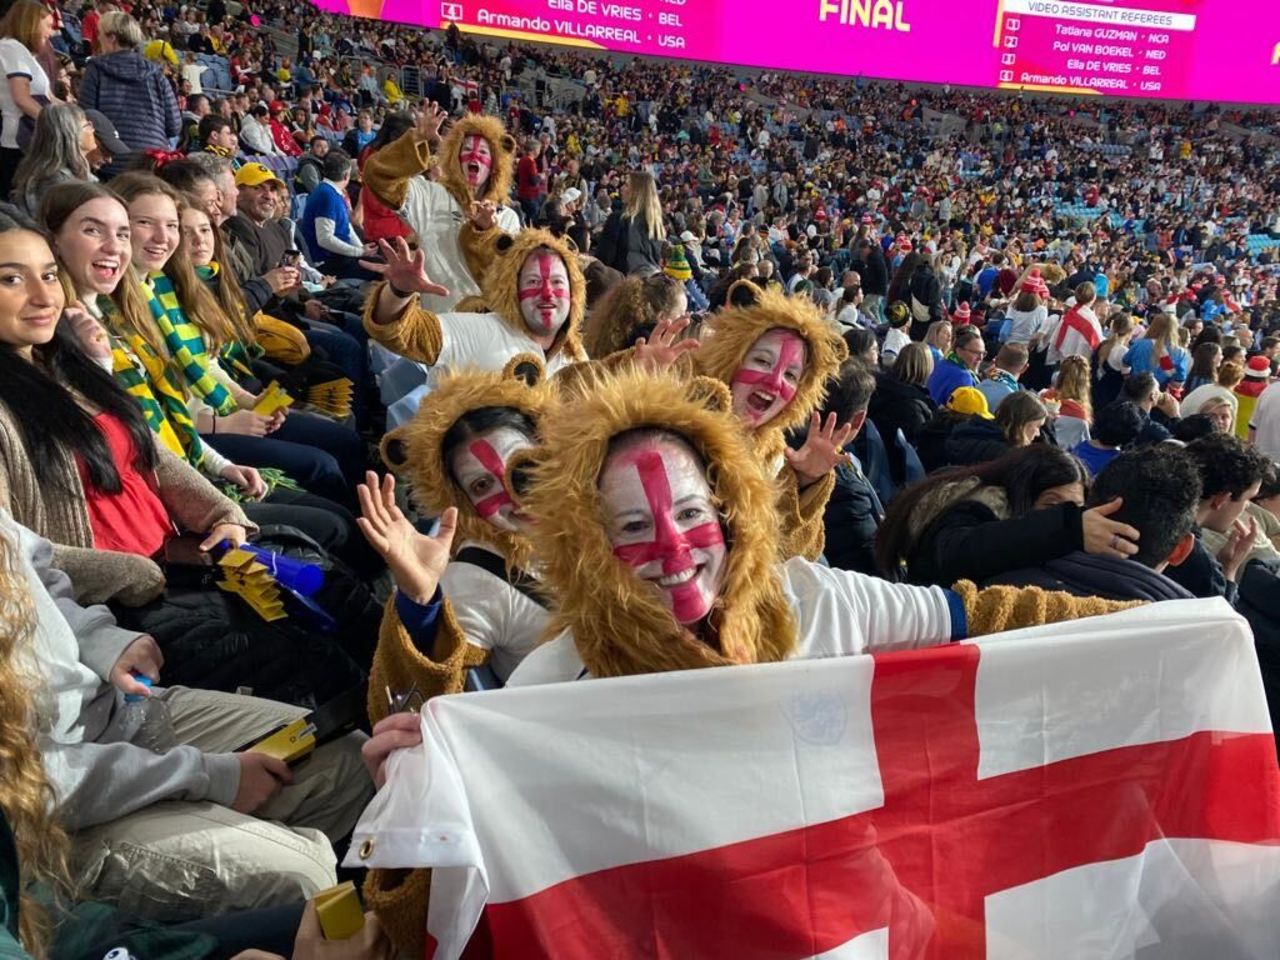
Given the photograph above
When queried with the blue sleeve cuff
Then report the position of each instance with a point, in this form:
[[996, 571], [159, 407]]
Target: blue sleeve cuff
[[959, 619], [420, 620]]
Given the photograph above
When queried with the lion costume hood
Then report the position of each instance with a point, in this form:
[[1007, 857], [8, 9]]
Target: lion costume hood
[[502, 151], [502, 285], [755, 312], [417, 448], [619, 625]]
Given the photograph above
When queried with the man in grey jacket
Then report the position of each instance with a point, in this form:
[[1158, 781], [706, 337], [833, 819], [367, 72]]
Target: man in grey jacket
[[195, 830]]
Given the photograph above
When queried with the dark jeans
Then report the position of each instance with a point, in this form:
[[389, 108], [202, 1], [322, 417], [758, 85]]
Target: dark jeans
[[324, 457]]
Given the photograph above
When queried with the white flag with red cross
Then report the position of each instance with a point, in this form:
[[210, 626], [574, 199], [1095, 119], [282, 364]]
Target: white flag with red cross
[[1106, 788]]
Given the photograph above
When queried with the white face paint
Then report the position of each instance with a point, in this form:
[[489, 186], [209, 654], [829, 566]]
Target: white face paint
[[662, 523], [544, 293], [769, 376], [478, 466]]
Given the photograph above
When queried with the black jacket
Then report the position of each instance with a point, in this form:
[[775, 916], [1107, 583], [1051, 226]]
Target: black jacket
[[1258, 601], [926, 292], [897, 405], [875, 273], [1085, 575], [1202, 575], [977, 441], [969, 542], [852, 518]]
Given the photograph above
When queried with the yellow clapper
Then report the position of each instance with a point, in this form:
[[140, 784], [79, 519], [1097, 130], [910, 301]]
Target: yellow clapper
[[339, 912], [273, 398]]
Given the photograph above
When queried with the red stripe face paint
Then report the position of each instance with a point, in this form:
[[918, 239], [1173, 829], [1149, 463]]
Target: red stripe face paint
[[767, 380], [544, 292], [479, 467], [476, 159], [665, 526]]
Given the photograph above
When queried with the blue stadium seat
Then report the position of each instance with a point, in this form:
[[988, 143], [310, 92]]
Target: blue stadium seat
[[913, 468]]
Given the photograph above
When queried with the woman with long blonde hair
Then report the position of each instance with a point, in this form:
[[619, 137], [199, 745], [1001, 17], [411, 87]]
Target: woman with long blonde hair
[[1160, 354], [26, 797], [634, 233]]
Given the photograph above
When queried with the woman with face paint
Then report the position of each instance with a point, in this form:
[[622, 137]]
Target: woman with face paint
[[534, 290], [454, 216], [456, 452], [656, 533], [775, 353]]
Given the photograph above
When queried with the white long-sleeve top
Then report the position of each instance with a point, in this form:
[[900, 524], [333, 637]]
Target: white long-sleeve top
[[838, 613], [493, 614]]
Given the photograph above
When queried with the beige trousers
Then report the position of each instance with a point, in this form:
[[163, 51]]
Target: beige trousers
[[177, 861]]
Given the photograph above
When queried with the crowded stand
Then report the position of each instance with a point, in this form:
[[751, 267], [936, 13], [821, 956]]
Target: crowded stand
[[345, 365]]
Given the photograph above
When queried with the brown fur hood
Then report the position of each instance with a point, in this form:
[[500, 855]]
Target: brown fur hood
[[416, 449], [502, 148], [619, 625], [947, 495], [732, 331], [502, 285]]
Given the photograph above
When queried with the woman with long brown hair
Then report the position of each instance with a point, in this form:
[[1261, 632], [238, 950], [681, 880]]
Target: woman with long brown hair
[[1159, 354]]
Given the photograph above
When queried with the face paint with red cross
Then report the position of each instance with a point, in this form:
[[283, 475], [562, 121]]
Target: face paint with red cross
[[478, 466], [769, 376], [544, 293], [476, 160], [663, 524]]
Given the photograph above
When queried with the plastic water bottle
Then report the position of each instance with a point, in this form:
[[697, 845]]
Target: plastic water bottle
[[145, 720]]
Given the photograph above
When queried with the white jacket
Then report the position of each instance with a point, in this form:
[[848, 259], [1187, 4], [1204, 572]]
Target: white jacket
[[493, 614], [436, 218]]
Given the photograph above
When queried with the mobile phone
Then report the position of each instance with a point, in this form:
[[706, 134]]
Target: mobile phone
[[290, 258]]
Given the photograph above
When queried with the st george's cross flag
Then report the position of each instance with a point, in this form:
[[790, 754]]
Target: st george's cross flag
[[1106, 788]]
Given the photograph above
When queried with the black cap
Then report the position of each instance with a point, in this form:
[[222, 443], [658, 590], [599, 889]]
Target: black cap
[[105, 131]]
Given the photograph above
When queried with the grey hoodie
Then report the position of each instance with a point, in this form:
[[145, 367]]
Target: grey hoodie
[[72, 652]]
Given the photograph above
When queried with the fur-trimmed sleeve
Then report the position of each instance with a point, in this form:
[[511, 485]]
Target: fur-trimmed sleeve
[[399, 897], [388, 171], [399, 665], [997, 609], [802, 512], [416, 333]]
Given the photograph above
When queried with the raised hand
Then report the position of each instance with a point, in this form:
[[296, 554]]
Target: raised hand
[[405, 270], [431, 120], [484, 215], [822, 450], [415, 560], [660, 350]]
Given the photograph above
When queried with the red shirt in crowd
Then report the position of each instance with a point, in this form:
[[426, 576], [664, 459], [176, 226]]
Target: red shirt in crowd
[[133, 520]]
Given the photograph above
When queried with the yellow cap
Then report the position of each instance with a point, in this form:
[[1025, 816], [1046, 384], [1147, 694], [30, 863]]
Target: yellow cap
[[969, 400]]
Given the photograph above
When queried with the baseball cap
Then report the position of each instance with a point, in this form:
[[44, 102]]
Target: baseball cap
[[969, 401], [687, 237], [105, 131], [255, 175], [572, 195]]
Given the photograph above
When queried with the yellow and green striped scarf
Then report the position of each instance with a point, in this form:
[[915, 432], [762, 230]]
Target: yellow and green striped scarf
[[236, 356], [148, 379], [186, 344]]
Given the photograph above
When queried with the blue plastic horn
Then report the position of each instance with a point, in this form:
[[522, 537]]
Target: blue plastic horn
[[304, 579]]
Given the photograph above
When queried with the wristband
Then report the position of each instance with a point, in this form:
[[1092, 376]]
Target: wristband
[[397, 292]]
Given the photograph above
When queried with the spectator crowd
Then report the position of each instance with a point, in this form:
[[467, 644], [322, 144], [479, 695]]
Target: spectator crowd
[[346, 364]]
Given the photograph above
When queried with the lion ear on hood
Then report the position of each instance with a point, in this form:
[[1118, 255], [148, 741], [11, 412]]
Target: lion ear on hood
[[504, 243], [710, 393], [743, 293], [394, 449], [508, 143], [525, 367]]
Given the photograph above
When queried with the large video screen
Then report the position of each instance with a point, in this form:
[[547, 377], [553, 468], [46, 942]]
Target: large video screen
[[1223, 50]]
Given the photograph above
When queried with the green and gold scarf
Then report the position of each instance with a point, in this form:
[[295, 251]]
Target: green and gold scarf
[[185, 343]]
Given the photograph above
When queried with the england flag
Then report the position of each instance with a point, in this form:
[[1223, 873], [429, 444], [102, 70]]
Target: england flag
[[1101, 789]]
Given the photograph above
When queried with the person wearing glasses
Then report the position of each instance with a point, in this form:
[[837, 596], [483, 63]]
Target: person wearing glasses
[[959, 368]]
